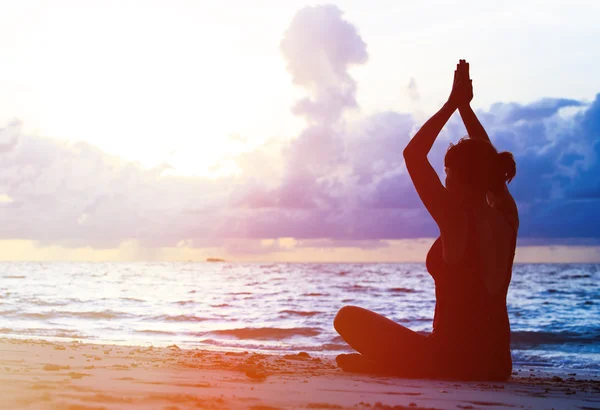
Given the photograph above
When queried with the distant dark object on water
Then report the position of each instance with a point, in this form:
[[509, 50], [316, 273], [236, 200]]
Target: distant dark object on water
[[215, 260]]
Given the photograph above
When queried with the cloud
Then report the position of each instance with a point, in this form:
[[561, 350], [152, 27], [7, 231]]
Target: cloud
[[412, 91], [347, 181], [9, 136], [509, 113], [328, 243], [76, 195], [339, 183], [319, 46]]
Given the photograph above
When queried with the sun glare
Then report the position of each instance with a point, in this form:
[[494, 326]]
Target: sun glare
[[153, 85]]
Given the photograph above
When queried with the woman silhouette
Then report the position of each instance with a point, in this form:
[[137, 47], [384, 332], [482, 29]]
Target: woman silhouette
[[471, 261]]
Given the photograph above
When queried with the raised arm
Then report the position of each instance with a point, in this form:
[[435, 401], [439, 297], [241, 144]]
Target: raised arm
[[472, 124], [420, 145], [434, 195], [502, 201]]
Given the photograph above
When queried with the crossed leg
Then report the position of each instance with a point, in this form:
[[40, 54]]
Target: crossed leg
[[385, 346]]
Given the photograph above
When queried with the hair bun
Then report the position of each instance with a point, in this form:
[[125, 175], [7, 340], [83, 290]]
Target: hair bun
[[507, 165]]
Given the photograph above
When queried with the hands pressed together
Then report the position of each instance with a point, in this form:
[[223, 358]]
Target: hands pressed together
[[462, 88]]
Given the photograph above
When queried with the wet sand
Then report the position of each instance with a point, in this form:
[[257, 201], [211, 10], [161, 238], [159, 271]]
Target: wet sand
[[39, 374]]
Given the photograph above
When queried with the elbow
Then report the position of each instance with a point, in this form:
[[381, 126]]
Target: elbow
[[409, 159], [410, 154]]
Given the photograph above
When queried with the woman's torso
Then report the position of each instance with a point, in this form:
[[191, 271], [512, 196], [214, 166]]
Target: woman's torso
[[471, 326]]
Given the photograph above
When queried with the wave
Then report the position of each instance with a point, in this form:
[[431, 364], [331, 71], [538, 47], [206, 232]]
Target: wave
[[44, 332], [401, 290], [177, 318], [45, 315], [154, 332], [105, 314], [277, 348], [299, 313], [268, 333], [335, 347], [356, 288], [564, 360], [528, 338], [185, 302], [337, 339], [557, 291], [41, 302], [576, 276], [133, 299]]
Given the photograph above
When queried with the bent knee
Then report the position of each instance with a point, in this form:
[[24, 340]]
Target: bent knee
[[344, 318]]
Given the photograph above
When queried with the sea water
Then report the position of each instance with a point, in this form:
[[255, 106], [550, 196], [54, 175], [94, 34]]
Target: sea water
[[554, 309]]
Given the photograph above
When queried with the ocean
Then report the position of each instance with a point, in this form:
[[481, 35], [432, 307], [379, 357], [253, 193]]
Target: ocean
[[554, 309]]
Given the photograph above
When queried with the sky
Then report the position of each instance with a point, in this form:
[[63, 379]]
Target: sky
[[178, 130]]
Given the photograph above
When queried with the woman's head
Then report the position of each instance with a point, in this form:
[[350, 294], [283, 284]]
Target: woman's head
[[474, 167]]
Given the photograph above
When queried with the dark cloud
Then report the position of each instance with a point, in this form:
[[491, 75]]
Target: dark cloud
[[347, 181], [509, 113], [355, 171]]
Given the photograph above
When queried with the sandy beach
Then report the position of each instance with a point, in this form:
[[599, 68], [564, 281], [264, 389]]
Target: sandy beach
[[38, 374]]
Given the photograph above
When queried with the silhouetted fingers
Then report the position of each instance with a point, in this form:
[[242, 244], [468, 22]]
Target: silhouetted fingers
[[464, 71]]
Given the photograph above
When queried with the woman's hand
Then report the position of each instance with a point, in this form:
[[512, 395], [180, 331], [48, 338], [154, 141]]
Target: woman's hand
[[466, 83], [463, 96], [462, 88]]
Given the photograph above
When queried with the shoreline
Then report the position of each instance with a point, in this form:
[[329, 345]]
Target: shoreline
[[40, 374]]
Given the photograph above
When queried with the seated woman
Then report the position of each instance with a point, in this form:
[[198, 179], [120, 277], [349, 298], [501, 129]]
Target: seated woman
[[471, 262]]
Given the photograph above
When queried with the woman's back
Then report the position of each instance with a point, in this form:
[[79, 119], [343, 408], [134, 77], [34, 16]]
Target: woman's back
[[493, 238], [495, 248], [471, 330]]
